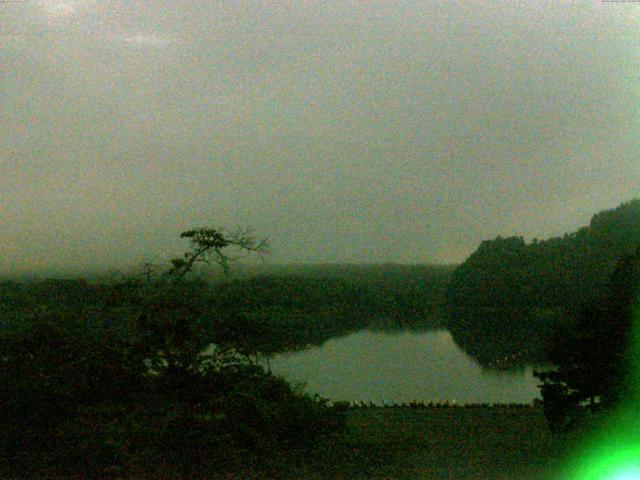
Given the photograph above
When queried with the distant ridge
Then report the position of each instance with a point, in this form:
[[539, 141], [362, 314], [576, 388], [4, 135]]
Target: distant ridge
[[344, 271]]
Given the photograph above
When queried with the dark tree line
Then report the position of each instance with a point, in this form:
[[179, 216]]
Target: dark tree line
[[276, 311], [508, 296]]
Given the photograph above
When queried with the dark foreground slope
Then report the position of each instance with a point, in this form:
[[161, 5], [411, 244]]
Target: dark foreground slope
[[505, 299], [402, 443]]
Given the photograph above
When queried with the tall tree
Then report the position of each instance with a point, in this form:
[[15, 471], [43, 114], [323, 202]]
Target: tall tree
[[593, 356]]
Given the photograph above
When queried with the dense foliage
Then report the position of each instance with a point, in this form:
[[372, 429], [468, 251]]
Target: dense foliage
[[80, 401], [138, 377], [593, 355], [504, 300]]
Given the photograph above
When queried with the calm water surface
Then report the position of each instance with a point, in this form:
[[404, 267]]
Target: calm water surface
[[401, 367]]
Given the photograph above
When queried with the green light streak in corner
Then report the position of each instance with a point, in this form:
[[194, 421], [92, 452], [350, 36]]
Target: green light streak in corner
[[613, 453]]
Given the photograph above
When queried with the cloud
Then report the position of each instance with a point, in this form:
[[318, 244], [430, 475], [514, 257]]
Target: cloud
[[11, 40], [57, 10], [339, 129], [146, 39]]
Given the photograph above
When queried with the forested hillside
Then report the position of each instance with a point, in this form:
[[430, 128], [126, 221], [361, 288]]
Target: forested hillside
[[283, 307], [291, 307], [504, 299]]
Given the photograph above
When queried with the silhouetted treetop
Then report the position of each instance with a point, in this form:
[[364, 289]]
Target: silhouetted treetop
[[208, 244]]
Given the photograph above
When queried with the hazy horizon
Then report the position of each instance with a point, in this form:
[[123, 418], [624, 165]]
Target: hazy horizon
[[345, 132]]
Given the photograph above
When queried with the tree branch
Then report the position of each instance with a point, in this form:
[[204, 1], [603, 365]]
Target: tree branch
[[210, 242]]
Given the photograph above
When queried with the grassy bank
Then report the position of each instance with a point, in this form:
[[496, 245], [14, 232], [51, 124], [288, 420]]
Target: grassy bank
[[438, 443], [457, 443]]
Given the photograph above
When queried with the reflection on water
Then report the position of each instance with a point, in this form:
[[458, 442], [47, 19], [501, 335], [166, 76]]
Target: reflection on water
[[401, 367]]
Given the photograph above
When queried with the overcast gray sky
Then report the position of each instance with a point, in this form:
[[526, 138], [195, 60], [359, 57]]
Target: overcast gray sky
[[357, 131]]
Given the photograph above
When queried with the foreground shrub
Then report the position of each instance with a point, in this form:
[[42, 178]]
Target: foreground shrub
[[79, 398]]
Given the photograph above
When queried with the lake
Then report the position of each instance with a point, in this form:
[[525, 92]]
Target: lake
[[401, 367]]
